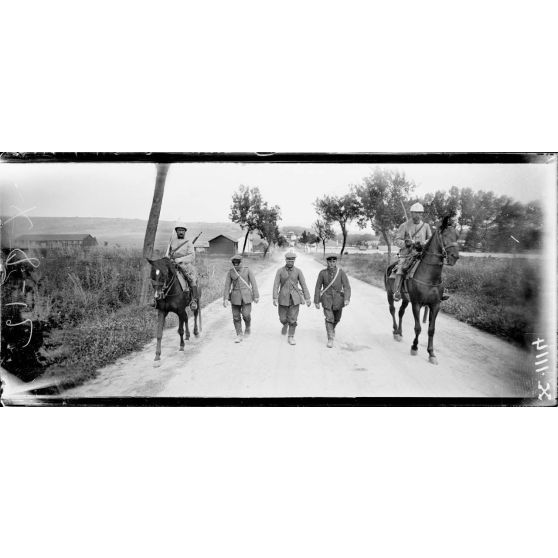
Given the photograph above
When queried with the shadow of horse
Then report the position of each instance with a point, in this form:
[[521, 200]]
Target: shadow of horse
[[170, 297], [425, 288]]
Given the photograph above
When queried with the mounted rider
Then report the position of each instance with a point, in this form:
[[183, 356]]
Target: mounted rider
[[181, 252], [411, 237]]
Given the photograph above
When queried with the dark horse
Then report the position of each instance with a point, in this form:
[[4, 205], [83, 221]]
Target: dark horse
[[170, 297], [425, 287]]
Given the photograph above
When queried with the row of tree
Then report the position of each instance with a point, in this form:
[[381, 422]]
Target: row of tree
[[485, 221]]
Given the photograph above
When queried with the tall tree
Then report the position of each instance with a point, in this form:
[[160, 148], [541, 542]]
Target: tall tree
[[383, 196], [339, 209], [267, 224], [245, 210], [152, 224], [323, 231]]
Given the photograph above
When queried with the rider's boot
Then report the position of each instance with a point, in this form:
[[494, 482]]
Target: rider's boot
[[397, 287]]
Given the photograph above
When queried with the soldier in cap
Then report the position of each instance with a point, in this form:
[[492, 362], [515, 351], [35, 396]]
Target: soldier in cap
[[181, 252], [289, 292], [240, 289], [333, 291], [410, 238]]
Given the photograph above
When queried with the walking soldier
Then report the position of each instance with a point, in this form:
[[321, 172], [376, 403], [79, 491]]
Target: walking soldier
[[240, 289], [334, 292], [288, 295]]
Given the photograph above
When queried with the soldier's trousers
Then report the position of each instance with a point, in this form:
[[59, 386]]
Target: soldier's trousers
[[189, 271], [289, 315], [332, 318], [239, 312]]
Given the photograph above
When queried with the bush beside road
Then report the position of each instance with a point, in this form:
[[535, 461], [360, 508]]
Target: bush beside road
[[85, 307]]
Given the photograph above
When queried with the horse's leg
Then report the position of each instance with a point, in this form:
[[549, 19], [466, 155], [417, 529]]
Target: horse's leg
[[160, 325], [431, 328], [425, 315], [181, 329], [404, 304], [185, 314], [196, 313], [392, 312], [416, 313]]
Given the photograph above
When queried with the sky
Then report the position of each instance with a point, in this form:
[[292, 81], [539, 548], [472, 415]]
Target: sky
[[203, 191]]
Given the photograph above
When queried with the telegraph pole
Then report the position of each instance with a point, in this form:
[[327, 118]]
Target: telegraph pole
[[152, 223]]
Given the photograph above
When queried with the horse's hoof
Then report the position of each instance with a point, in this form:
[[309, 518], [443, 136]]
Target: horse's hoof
[[156, 363], [181, 348], [397, 337], [197, 333], [414, 352], [432, 360]]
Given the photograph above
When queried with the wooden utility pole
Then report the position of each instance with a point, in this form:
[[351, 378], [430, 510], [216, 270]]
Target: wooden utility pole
[[152, 223]]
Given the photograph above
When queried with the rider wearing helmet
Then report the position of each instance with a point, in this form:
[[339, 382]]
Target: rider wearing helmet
[[410, 238], [181, 252]]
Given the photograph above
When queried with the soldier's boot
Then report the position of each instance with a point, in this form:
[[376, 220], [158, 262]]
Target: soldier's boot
[[292, 329], [330, 329], [397, 287], [247, 330], [238, 330], [284, 329], [194, 301]]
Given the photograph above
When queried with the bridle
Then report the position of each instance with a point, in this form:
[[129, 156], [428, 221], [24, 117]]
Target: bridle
[[164, 286], [442, 255]]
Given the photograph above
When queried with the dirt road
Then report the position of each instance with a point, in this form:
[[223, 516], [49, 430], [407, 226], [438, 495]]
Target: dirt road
[[365, 362]]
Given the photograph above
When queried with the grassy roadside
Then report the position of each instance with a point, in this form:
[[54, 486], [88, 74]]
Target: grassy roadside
[[86, 313], [497, 295]]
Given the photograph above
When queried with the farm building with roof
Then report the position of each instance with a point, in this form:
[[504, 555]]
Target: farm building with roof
[[223, 245], [56, 241]]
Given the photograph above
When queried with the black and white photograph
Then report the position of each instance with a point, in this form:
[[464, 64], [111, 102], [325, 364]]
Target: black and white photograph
[[268, 278]]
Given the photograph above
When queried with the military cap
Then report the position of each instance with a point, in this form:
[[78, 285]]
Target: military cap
[[290, 255], [236, 258], [180, 226], [331, 256]]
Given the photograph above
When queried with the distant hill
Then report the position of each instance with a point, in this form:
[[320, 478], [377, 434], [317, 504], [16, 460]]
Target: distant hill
[[125, 233]]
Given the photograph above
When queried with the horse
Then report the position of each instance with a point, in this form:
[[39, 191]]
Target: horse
[[170, 297], [425, 287]]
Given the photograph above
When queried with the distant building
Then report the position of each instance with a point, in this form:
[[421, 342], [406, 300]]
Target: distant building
[[56, 241], [222, 245], [201, 246]]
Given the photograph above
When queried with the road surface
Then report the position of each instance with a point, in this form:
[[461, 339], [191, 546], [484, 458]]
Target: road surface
[[365, 362]]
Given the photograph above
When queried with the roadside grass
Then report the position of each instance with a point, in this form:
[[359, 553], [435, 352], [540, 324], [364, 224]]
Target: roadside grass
[[497, 295], [86, 308]]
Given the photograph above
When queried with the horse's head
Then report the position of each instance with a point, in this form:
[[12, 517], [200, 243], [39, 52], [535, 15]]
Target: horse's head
[[161, 275], [448, 235]]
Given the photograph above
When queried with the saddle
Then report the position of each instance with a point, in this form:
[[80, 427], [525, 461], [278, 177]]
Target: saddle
[[181, 278]]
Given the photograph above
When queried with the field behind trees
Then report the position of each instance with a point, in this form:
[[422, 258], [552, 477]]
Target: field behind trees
[[85, 311], [497, 295]]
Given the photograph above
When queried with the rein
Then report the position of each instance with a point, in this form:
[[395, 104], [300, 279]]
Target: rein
[[165, 288], [441, 255]]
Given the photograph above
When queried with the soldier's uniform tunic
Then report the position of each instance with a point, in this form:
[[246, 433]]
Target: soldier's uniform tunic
[[241, 295], [419, 232], [182, 252], [287, 293]]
